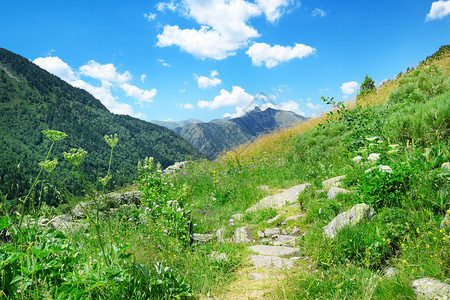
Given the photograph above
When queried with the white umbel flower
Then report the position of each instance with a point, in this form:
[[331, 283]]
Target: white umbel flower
[[373, 157]]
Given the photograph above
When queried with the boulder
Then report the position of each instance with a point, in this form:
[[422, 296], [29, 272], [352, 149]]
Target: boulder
[[202, 238], [285, 240], [271, 262], [289, 196], [238, 217], [332, 182], [175, 167], [271, 232], [429, 288], [334, 191], [242, 235], [273, 219], [293, 218], [351, 217]]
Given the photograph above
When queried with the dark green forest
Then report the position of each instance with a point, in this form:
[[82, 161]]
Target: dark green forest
[[32, 100]]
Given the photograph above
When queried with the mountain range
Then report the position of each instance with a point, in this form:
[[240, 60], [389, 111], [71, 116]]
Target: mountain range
[[32, 100], [215, 137]]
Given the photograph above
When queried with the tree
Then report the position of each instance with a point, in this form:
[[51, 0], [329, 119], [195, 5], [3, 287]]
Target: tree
[[368, 86]]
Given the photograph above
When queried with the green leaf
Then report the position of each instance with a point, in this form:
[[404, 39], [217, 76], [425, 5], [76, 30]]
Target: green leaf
[[4, 222]]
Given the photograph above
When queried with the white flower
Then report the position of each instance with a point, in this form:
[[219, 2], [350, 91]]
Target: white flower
[[385, 169], [357, 159], [373, 157], [372, 138], [368, 170]]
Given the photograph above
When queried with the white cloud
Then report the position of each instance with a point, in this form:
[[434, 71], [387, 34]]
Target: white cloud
[[186, 106], [150, 16], [206, 82], [439, 9], [163, 6], [143, 77], [224, 26], [163, 62], [103, 93], [287, 106], [273, 9], [109, 78], [312, 106], [139, 115], [318, 12], [140, 94], [272, 56], [349, 88], [237, 97], [56, 66], [104, 72]]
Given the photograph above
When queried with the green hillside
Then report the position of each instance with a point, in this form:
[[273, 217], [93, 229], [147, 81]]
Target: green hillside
[[32, 100], [201, 231]]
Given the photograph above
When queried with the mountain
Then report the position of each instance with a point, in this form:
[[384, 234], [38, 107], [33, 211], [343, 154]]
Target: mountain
[[32, 100], [174, 124], [218, 136]]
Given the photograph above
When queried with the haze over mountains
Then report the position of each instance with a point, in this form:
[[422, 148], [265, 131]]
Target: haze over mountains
[[33, 100]]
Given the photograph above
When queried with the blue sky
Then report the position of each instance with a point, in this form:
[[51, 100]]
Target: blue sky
[[207, 59]]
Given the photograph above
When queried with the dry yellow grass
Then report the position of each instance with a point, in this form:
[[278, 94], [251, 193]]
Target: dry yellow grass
[[272, 143]]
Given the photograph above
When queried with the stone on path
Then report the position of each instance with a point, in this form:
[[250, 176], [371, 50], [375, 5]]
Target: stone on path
[[332, 182], [274, 250], [202, 238], [295, 231], [271, 262], [429, 288], [334, 191], [258, 276], [271, 232], [293, 218], [285, 240], [351, 217], [278, 200], [273, 219], [242, 235]]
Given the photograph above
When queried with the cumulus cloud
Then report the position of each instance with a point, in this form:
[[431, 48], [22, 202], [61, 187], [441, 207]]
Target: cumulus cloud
[[110, 79], [312, 106], [439, 9], [207, 82], [349, 88], [143, 77], [318, 12], [224, 26], [104, 72], [163, 6], [186, 106], [271, 56], [56, 66], [237, 97]]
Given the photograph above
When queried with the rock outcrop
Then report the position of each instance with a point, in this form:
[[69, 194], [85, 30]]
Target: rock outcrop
[[353, 216]]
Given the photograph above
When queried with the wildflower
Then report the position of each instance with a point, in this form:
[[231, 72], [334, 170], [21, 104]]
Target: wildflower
[[159, 246], [104, 180], [373, 157], [75, 156], [368, 170], [195, 224], [231, 224], [192, 205], [231, 220], [179, 209], [130, 219], [385, 169], [19, 291], [357, 159], [112, 141], [48, 165], [320, 210], [54, 135], [165, 230]]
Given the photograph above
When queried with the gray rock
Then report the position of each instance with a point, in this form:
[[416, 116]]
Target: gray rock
[[242, 235], [289, 196], [332, 182], [284, 239], [260, 234], [293, 218], [351, 217], [273, 219], [265, 240], [271, 231], [238, 217], [283, 232], [175, 167], [271, 262], [429, 288], [274, 250], [220, 235], [334, 191], [65, 223], [202, 238], [295, 231], [258, 276]]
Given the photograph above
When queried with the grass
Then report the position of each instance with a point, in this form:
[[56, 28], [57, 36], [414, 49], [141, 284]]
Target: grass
[[144, 252]]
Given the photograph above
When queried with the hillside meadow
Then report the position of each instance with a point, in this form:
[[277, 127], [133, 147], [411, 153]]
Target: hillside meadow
[[392, 145]]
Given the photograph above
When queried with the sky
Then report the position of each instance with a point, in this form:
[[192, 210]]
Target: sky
[[209, 59]]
